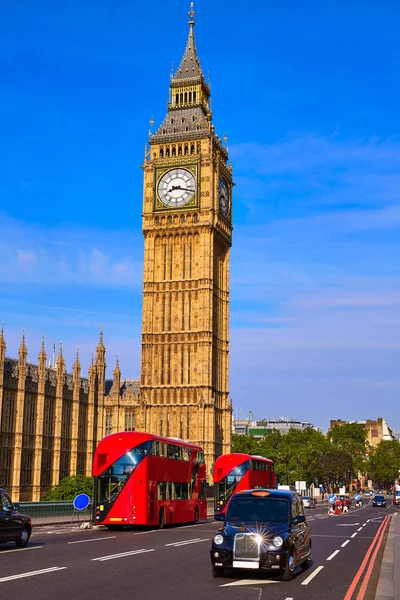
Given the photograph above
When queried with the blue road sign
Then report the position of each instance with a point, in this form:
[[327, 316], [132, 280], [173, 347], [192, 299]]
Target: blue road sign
[[332, 498], [81, 501], [357, 497]]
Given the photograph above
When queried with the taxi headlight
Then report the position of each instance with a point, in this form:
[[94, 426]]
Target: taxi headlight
[[218, 539], [277, 541]]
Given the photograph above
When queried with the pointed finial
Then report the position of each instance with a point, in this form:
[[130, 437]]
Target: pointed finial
[[2, 341], [61, 352], [77, 353], [191, 14], [151, 126], [42, 353], [225, 138]]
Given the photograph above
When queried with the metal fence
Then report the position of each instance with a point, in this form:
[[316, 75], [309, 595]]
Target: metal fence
[[49, 509]]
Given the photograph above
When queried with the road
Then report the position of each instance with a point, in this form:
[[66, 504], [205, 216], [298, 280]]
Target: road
[[174, 564]]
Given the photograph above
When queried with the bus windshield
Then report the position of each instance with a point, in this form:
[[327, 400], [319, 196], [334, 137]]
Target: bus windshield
[[226, 487], [112, 480]]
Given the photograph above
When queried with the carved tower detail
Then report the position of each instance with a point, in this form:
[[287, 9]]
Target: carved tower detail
[[187, 231]]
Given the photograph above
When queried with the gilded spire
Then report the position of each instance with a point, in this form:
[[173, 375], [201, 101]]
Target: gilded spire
[[77, 365], [22, 349], [42, 354], [2, 340], [190, 64]]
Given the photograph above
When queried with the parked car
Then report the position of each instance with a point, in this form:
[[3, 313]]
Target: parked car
[[378, 500], [14, 527], [263, 530], [308, 502]]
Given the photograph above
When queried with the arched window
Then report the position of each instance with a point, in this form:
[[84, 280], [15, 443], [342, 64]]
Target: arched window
[[198, 127], [167, 151], [186, 149], [181, 98], [194, 96], [182, 218], [190, 96], [157, 220], [185, 97], [183, 119], [179, 150], [161, 153], [172, 121], [169, 220], [195, 218], [174, 129], [164, 131], [193, 118], [192, 149], [176, 98], [186, 128], [173, 151]]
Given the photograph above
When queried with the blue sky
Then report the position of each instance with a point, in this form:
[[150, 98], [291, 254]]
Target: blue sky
[[308, 94]]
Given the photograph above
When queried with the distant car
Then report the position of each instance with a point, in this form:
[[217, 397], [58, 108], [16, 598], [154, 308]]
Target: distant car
[[263, 530], [308, 502], [14, 527], [378, 500], [367, 493], [396, 498]]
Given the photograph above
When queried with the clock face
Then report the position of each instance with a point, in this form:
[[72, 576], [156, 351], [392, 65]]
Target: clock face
[[223, 196], [176, 187]]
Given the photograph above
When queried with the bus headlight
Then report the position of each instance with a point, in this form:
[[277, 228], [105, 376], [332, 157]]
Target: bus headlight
[[277, 541], [218, 539]]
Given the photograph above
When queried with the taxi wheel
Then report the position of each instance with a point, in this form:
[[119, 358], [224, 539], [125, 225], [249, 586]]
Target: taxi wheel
[[287, 573], [23, 538], [218, 571]]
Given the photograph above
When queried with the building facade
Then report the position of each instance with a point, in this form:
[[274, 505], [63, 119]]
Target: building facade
[[262, 428], [187, 228], [51, 420]]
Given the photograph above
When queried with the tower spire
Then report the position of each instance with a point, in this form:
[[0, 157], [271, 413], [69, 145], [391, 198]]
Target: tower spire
[[190, 64]]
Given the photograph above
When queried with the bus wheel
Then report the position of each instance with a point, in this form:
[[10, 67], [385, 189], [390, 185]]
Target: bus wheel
[[161, 522], [196, 514]]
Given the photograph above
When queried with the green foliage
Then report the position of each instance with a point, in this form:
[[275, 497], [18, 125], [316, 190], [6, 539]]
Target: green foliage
[[245, 444], [384, 463], [69, 487], [334, 468], [352, 439]]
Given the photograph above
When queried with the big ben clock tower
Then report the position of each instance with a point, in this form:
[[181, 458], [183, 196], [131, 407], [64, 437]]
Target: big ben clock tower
[[187, 227]]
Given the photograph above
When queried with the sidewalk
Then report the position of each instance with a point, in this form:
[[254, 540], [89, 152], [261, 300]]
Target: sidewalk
[[389, 577]]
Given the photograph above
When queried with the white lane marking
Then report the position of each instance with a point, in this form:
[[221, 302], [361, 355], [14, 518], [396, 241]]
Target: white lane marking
[[364, 524], [368, 520], [185, 543], [347, 524], [109, 537], [345, 543], [20, 549], [313, 574], [333, 555], [359, 529], [122, 554], [248, 582], [354, 534], [31, 574]]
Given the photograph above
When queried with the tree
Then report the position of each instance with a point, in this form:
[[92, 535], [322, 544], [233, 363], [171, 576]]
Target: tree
[[245, 444], [334, 467], [69, 487], [384, 463], [351, 438]]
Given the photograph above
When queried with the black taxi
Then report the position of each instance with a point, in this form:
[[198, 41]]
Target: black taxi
[[14, 526], [265, 530]]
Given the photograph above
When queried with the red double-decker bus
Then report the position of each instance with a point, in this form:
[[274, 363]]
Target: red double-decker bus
[[235, 472], [143, 479]]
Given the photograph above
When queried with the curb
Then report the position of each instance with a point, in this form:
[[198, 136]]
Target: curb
[[385, 588]]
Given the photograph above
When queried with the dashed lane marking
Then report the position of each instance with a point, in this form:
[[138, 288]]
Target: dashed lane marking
[[359, 529], [347, 524], [333, 555], [122, 554], [31, 574], [354, 534], [313, 574], [186, 542], [345, 543], [20, 549], [109, 537], [248, 582]]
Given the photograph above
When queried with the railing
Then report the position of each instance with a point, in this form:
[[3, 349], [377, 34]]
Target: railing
[[49, 509]]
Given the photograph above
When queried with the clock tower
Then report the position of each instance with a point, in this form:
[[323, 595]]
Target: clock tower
[[187, 228]]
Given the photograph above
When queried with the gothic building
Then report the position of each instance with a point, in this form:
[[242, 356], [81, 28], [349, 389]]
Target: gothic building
[[187, 229], [51, 420]]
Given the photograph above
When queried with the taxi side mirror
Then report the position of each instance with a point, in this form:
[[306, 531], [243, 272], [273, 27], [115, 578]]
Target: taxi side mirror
[[219, 517]]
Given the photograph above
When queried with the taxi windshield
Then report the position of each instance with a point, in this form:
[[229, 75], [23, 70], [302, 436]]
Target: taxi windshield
[[261, 510]]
